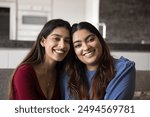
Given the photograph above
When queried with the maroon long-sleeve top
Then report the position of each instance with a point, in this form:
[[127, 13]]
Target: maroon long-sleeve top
[[26, 85]]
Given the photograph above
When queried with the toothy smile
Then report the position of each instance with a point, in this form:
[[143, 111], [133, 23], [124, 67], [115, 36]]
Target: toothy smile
[[60, 51], [89, 53]]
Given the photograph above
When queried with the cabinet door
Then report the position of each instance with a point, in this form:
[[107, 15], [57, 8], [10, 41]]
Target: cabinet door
[[3, 59], [15, 57]]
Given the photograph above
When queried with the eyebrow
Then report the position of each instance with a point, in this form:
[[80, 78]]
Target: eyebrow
[[84, 39]]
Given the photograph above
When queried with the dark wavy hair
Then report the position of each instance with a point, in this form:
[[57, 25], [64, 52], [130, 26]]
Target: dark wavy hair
[[76, 70], [37, 52]]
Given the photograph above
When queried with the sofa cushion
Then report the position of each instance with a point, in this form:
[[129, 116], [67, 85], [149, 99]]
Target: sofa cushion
[[5, 75]]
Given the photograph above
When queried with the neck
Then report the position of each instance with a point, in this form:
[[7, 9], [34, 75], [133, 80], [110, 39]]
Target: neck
[[48, 67], [45, 68], [92, 68]]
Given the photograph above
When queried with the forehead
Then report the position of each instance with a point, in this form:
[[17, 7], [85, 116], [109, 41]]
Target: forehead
[[81, 34], [60, 30]]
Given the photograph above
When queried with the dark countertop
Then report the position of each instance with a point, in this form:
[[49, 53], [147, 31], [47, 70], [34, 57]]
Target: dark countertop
[[113, 46]]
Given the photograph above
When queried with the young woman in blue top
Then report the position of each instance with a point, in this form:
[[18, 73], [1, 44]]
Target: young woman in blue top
[[92, 73]]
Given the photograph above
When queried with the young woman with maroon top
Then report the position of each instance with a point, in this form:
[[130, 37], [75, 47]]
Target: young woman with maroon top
[[36, 76]]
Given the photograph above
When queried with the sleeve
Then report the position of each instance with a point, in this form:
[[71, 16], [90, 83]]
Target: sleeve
[[24, 84], [63, 82], [123, 85]]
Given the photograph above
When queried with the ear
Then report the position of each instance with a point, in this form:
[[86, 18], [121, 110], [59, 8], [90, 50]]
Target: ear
[[42, 42]]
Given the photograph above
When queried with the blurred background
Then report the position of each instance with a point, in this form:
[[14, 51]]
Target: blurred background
[[124, 24]]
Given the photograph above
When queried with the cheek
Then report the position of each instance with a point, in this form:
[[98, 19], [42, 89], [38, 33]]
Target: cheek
[[98, 45], [77, 52], [99, 50]]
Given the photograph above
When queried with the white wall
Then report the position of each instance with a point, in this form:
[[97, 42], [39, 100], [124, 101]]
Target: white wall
[[141, 59], [71, 10], [92, 12]]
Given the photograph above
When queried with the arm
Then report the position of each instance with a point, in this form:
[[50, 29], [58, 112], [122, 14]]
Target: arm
[[123, 85], [127, 86], [24, 83]]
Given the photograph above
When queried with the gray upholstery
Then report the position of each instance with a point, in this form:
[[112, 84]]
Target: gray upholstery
[[5, 75], [142, 90], [142, 84], [143, 81]]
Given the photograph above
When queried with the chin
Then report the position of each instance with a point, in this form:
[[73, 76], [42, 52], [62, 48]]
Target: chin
[[60, 59], [90, 61]]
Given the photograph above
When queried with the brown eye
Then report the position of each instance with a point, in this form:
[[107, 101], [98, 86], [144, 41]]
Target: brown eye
[[77, 45], [91, 39], [56, 38]]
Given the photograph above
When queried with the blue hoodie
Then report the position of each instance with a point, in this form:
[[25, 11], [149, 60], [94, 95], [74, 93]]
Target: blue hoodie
[[121, 87]]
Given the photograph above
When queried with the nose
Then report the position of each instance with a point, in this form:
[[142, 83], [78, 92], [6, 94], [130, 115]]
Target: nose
[[85, 46], [61, 44]]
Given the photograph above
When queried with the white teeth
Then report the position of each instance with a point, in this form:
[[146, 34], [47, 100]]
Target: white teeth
[[89, 54], [59, 51]]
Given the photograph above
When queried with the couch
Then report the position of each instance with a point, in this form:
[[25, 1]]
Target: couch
[[142, 89]]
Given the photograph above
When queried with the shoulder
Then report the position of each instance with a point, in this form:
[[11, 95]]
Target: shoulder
[[125, 69], [25, 67], [123, 63], [24, 71], [123, 83]]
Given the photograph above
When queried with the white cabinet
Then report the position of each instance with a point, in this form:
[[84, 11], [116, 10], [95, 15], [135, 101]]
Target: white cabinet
[[31, 16], [141, 59], [10, 58], [34, 3], [3, 59], [15, 57], [73, 11]]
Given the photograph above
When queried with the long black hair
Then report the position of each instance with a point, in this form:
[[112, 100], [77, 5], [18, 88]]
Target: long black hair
[[37, 52], [76, 70]]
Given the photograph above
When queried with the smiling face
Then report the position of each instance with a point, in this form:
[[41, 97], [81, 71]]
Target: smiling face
[[87, 48], [57, 44]]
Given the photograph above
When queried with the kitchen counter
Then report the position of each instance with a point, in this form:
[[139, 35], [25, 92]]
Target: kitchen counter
[[113, 46]]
